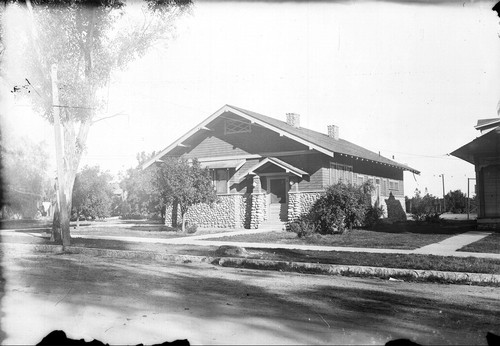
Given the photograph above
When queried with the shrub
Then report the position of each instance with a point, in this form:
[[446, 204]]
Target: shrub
[[342, 207], [424, 208], [373, 215], [191, 228], [432, 218], [302, 228]]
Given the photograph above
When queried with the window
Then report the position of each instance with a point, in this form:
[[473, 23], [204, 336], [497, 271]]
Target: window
[[220, 178], [393, 185], [236, 126], [360, 180], [340, 172]]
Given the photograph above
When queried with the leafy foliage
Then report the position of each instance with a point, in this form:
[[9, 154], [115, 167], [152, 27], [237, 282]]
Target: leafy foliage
[[87, 42], [373, 214], [456, 201], [92, 195], [302, 227], [24, 176], [424, 208], [185, 183], [142, 195], [343, 206]]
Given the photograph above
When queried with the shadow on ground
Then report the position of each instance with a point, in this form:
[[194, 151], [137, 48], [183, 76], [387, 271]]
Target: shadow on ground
[[257, 300]]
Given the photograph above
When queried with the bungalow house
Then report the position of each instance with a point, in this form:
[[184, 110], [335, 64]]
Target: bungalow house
[[484, 153], [267, 171]]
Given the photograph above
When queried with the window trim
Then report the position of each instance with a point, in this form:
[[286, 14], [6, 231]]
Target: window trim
[[214, 180], [394, 184]]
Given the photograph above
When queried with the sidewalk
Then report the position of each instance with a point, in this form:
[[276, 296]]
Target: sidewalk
[[447, 247]]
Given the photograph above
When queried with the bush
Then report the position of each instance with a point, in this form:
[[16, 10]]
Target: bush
[[373, 215], [191, 228], [302, 228], [342, 207], [424, 208], [432, 218]]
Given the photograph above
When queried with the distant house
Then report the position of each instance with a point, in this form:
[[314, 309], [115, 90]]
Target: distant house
[[267, 171], [484, 153]]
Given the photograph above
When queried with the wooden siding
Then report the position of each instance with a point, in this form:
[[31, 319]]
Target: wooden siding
[[312, 164], [212, 146], [491, 188]]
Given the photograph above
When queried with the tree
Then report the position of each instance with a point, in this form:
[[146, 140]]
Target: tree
[[184, 183], [92, 194], [456, 201], [423, 208], [24, 176], [143, 197], [87, 42]]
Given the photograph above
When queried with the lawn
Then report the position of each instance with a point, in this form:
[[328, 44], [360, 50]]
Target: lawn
[[400, 236], [489, 244]]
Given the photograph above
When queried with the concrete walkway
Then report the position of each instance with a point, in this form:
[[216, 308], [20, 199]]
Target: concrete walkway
[[447, 247], [454, 243]]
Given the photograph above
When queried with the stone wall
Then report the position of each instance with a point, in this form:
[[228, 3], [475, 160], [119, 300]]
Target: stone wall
[[258, 211], [220, 214], [300, 202]]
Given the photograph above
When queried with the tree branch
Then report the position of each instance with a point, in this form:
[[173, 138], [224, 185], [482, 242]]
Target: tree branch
[[109, 117]]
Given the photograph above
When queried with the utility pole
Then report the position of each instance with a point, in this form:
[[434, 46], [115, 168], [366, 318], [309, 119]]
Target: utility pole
[[444, 199], [63, 210]]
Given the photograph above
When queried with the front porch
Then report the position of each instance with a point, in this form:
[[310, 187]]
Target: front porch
[[272, 180]]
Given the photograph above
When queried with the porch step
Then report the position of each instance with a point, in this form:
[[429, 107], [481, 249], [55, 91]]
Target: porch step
[[277, 212], [275, 226], [275, 218]]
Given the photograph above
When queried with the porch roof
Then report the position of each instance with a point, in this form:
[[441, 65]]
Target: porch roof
[[485, 145], [277, 162]]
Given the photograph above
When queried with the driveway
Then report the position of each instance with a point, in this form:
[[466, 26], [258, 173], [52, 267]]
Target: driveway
[[120, 301]]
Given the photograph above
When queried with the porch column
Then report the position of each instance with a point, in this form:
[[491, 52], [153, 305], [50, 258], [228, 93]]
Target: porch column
[[258, 204], [294, 209]]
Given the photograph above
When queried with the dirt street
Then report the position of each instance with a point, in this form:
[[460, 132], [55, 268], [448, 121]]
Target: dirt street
[[127, 301]]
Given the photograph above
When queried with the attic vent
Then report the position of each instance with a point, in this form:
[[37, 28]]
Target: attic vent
[[236, 126]]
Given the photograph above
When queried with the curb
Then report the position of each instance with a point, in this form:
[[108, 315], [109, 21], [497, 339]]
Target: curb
[[380, 272], [288, 266]]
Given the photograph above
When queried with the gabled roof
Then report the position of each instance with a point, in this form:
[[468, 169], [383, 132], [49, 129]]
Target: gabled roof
[[277, 162], [313, 139]]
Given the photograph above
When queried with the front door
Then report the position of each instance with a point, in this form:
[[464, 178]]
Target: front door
[[277, 190]]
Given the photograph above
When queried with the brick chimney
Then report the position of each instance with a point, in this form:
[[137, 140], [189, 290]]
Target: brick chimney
[[333, 131], [293, 119]]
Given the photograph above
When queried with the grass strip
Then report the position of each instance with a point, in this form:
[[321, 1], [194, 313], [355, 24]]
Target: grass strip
[[489, 244], [354, 238]]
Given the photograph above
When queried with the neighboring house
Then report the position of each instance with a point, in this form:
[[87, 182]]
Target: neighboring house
[[484, 153], [117, 191], [268, 171]]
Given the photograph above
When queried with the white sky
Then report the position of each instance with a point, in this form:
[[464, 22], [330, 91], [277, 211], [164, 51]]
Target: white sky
[[403, 79]]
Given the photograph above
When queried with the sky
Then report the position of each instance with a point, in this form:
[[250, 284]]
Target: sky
[[407, 79]]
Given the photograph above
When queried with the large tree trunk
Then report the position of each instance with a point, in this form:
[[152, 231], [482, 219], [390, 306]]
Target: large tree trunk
[[56, 227], [183, 221]]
